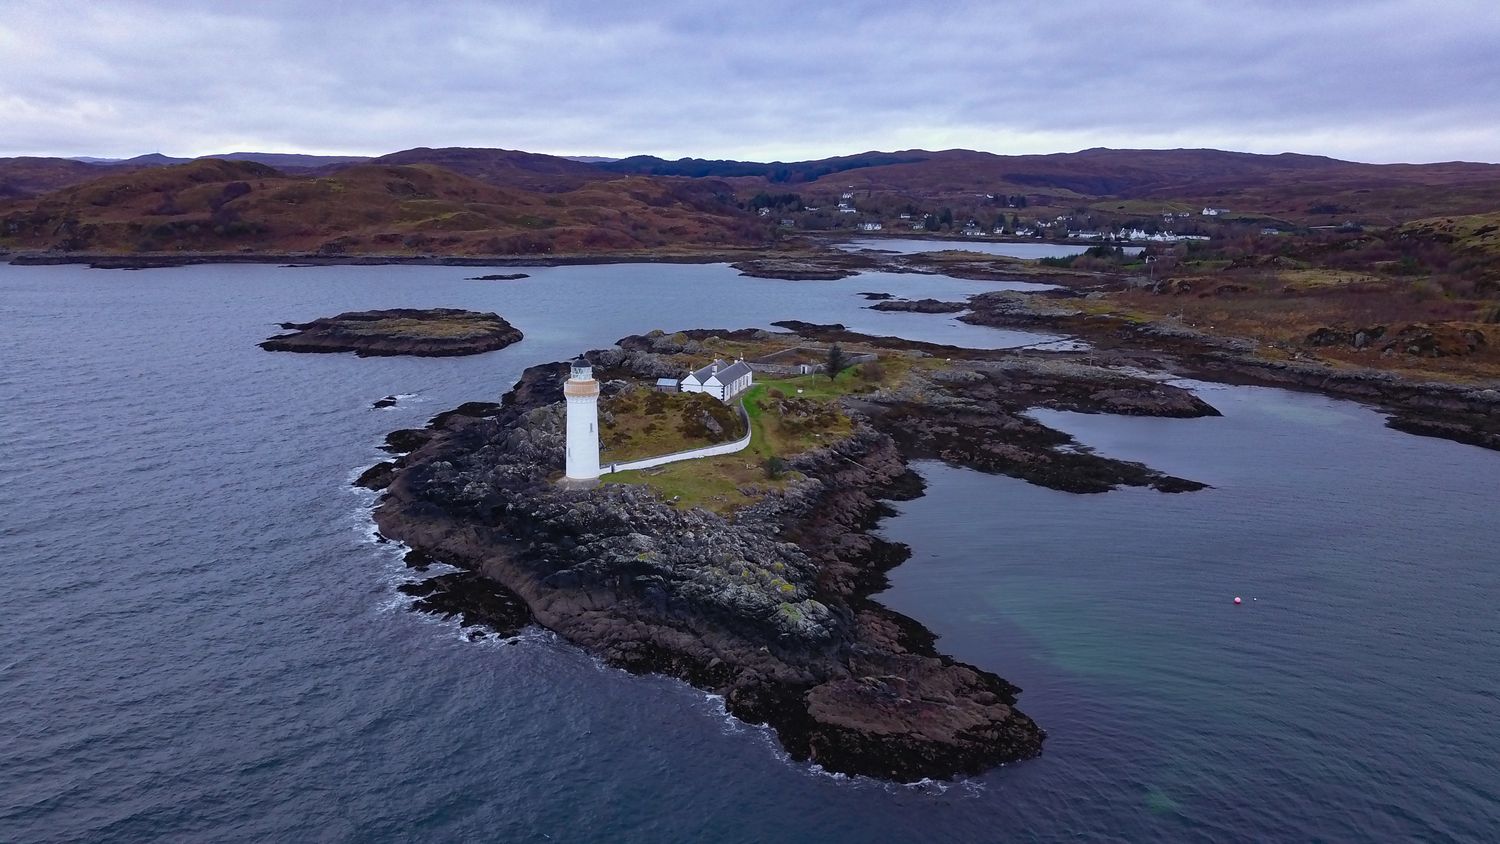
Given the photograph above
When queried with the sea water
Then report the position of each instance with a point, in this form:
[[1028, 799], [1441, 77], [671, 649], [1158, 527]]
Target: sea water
[[201, 638]]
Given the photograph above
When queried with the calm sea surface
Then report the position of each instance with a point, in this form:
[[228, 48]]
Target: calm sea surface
[[199, 640]]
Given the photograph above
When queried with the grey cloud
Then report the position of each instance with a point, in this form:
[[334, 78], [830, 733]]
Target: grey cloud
[[1379, 80]]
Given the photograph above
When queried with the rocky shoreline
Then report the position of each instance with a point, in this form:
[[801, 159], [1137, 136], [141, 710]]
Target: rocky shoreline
[[772, 607], [1467, 414], [429, 332]]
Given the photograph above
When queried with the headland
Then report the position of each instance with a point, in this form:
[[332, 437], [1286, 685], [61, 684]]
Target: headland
[[752, 575]]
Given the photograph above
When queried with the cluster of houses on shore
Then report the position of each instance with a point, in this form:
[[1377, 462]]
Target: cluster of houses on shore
[[1135, 236], [918, 222], [721, 380]]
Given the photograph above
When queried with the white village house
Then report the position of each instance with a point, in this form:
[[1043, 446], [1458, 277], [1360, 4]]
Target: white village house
[[720, 380]]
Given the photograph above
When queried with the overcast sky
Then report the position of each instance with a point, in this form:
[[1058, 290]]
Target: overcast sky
[[1373, 80]]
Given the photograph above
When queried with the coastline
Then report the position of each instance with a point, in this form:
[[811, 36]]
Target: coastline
[[141, 261], [1466, 413]]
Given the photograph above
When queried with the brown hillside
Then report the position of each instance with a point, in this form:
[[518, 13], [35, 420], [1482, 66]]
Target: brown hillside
[[28, 176], [1302, 188], [215, 206], [505, 168]]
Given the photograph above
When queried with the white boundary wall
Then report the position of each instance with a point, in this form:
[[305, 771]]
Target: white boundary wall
[[707, 451]]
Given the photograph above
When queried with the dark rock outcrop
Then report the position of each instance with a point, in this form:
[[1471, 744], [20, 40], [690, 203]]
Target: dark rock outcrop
[[500, 277], [432, 332], [974, 416], [920, 306], [1436, 341], [821, 268], [1358, 338]]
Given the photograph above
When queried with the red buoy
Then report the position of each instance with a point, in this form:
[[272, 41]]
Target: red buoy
[[1236, 599]]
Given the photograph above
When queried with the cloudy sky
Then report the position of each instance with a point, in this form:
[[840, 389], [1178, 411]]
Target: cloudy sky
[[1370, 80]]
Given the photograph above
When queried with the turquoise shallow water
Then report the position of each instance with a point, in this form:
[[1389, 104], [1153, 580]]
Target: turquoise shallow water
[[199, 640]]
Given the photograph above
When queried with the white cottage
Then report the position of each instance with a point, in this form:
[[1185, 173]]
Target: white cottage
[[719, 380]]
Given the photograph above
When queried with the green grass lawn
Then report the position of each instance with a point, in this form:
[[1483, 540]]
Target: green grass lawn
[[783, 423], [720, 483], [713, 483]]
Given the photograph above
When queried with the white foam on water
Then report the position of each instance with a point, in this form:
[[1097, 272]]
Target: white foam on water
[[404, 401], [728, 724], [395, 573], [353, 475], [529, 635]]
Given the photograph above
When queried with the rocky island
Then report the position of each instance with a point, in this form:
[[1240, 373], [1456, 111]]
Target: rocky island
[[919, 306], [752, 574], [430, 332]]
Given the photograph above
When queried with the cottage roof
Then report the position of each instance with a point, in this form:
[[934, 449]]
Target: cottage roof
[[734, 372], [701, 375], [666, 382]]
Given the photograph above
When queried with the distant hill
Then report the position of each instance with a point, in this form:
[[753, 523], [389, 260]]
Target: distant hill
[[289, 160], [153, 159], [774, 172], [1098, 186], [28, 175], [1305, 188], [224, 206], [281, 160], [1299, 187], [506, 168]]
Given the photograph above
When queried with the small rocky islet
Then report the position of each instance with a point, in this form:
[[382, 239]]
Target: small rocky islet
[[770, 602], [919, 306], [423, 332]]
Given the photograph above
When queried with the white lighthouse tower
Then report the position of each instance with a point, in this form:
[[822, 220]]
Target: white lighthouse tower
[[582, 393]]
